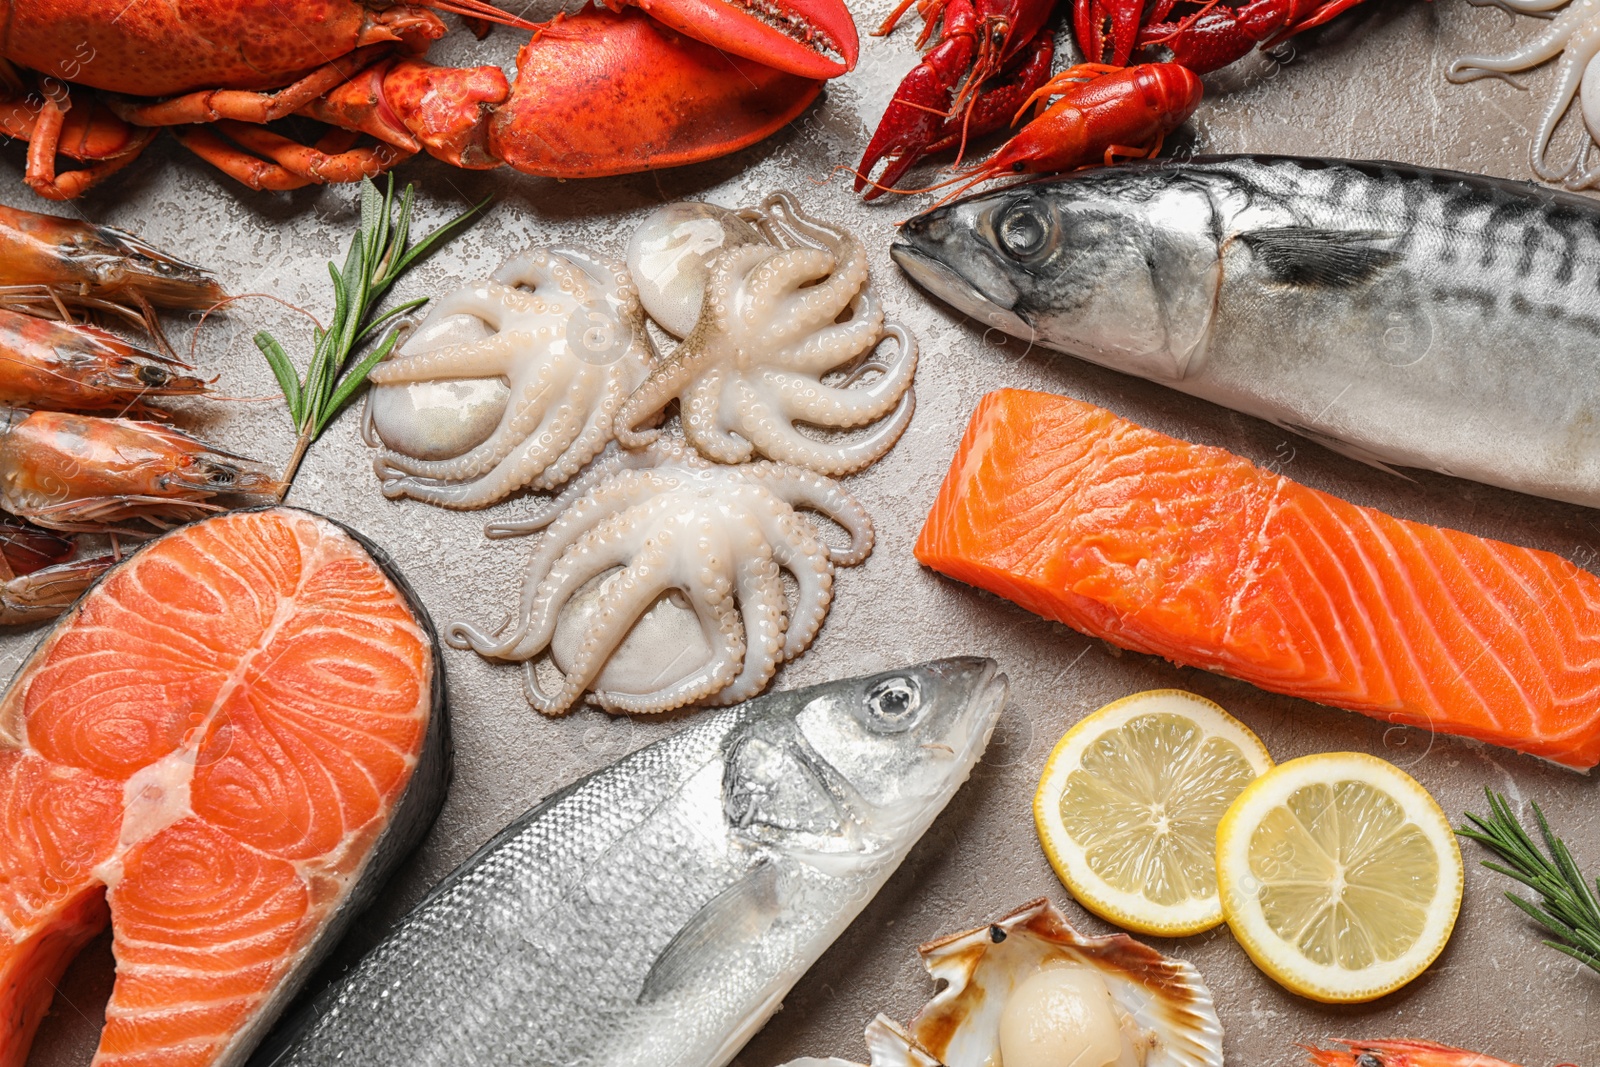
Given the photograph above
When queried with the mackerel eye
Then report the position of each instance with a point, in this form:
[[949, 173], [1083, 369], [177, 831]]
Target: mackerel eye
[[893, 703], [1024, 229]]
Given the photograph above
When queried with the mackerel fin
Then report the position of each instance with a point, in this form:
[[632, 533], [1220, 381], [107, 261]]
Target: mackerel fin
[[1344, 448], [740, 915], [1307, 255]]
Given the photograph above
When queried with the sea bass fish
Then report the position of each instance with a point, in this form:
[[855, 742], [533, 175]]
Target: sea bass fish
[[657, 911], [1404, 316]]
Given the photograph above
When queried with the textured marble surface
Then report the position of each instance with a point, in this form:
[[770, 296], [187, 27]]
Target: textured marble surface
[[1370, 86]]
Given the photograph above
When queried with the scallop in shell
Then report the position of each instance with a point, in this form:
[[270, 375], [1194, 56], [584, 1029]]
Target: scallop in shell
[[1028, 990]]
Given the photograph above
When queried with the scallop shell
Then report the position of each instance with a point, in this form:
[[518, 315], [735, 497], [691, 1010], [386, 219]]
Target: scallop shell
[[960, 1026]]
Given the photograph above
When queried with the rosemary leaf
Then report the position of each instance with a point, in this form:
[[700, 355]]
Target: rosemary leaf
[[1568, 908], [356, 378], [378, 255], [282, 370]]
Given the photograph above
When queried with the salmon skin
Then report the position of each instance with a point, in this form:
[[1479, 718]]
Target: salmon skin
[[1400, 315], [656, 912], [1197, 555], [224, 748]]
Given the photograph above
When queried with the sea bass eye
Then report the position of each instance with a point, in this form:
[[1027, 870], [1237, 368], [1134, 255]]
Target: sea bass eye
[[893, 703], [1024, 228]]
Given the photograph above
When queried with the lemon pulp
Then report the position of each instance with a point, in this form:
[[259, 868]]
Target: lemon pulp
[[1129, 802]]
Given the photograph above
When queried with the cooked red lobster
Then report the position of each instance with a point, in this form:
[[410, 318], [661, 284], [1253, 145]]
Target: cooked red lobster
[[607, 91]]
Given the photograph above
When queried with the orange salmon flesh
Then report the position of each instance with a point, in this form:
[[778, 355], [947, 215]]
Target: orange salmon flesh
[[204, 752], [1199, 556]]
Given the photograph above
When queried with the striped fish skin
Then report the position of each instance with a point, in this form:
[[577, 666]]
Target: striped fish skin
[[1404, 316], [1197, 555], [657, 911]]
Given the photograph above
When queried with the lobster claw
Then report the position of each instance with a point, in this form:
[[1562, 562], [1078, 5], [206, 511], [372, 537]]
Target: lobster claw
[[601, 93], [1106, 29], [808, 38]]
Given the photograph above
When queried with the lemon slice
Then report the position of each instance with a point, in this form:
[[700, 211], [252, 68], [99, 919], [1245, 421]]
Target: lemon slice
[[1339, 875], [1128, 805]]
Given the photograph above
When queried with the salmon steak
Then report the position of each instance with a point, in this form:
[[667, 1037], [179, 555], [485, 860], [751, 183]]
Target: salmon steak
[[1199, 556], [222, 749]]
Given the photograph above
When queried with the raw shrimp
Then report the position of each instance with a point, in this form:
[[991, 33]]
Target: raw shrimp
[[64, 366], [81, 473]]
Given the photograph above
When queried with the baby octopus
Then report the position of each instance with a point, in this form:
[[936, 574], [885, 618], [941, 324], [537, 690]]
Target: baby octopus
[[658, 580], [778, 301], [510, 383], [1574, 35]]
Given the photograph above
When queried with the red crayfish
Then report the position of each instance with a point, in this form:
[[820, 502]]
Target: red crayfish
[[991, 63], [1208, 38], [607, 91]]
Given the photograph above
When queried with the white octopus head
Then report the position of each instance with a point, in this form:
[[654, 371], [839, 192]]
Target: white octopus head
[[511, 382], [661, 582], [780, 330]]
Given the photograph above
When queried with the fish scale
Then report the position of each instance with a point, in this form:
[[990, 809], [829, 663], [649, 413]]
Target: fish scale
[[1400, 315], [655, 912]]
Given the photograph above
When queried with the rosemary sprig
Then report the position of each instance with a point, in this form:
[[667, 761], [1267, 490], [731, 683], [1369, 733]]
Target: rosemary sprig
[[1568, 909], [380, 253]]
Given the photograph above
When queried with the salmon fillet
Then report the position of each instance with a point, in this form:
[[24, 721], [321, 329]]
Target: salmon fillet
[[1197, 555], [221, 748]]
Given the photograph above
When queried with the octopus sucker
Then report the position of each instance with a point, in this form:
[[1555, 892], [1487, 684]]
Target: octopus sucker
[[785, 303], [649, 553], [1574, 35], [509, 383]]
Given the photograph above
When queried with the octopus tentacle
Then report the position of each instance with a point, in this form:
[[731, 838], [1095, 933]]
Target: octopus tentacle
[[489, 358], [763, 608], [703, 422], [658, 454], [829, 405], [798, 549], [1580, 51], [837, 344], [530, 460], [719, 621], [1541, 50], [627, 596], [800, 488], [570, 555], [780, 440], [666, 381]]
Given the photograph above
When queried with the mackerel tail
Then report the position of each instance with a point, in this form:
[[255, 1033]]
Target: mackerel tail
[[1403, 316]]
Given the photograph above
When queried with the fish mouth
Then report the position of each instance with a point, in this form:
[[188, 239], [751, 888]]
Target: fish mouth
[[932, 273], [985, 690]]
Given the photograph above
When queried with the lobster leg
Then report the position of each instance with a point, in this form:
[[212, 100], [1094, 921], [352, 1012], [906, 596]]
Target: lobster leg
[[287, 164], [212, 105], [82, 131]]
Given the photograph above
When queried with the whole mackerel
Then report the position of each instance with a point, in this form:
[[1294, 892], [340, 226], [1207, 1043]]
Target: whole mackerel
[[1401, 315], [657, 911]]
